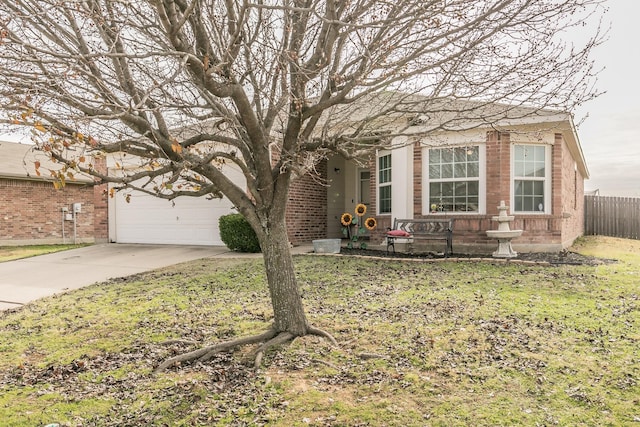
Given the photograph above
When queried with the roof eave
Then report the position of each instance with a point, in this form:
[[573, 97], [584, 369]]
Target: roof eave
[[45, 179]]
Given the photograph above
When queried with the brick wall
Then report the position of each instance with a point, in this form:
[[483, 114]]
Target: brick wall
[[306, 214], [31, 212], [498, 155], [572, 197], [543, 232], [101, 205], [417, 180]]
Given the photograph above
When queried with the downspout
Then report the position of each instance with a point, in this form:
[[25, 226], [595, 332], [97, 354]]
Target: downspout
[[64, 211]]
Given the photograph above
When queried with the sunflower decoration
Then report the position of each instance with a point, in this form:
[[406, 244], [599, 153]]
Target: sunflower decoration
[[361, 209], [370, 223], [346, 219]]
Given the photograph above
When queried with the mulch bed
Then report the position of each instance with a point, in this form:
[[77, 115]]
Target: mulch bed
[[544, 258]]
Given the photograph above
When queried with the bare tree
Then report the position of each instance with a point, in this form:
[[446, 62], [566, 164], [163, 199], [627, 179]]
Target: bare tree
[[183, 87]]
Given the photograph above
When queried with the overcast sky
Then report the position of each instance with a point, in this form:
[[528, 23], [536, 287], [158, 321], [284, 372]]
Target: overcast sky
[[610, 135]]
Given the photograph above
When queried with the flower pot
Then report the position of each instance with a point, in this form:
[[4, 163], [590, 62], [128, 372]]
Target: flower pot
[[326, 246]]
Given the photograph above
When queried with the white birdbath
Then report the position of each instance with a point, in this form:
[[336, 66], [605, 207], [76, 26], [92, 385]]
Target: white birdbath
[[504, 234]]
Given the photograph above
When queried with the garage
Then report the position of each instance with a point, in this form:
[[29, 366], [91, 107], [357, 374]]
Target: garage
[[185, 221], [152, 220]]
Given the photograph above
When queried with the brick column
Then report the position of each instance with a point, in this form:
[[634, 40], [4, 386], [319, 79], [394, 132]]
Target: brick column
[[498, 170], [556, 175], [101, 205], [417, 180]]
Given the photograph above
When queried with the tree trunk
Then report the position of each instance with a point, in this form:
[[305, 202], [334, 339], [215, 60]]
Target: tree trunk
[[286, 301]]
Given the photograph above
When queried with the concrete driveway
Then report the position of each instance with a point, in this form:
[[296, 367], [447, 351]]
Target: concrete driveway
[[28, 279]]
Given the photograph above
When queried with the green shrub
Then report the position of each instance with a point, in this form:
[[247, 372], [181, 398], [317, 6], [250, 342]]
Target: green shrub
[[237, 234]]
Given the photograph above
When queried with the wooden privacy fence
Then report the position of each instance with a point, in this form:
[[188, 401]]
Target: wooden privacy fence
[[612, 216]]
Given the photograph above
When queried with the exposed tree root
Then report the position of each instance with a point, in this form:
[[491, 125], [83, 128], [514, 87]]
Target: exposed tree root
[[325, 363], [270, 338], [324, 334], [207, 352], [277, 340]]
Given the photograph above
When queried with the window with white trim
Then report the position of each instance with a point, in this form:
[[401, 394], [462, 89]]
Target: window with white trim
[[384, 183], [454, 182], [531, 178]]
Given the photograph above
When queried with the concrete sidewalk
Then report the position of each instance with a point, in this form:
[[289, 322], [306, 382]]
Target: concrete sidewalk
[[28, 279]]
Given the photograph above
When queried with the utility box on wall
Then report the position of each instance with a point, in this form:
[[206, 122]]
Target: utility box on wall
[[77, 207]]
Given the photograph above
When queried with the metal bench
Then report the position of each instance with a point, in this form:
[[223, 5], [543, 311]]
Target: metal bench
[[421, 229]]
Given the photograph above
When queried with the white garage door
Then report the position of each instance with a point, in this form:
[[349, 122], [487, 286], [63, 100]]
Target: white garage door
[[188, 221]]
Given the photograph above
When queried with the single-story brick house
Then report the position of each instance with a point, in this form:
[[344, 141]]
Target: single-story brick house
[[532, 161], [33, 211]]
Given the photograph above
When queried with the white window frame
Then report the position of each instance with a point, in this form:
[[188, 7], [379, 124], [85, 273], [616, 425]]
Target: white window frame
[[381, 154], [546, 179], [482, 180]]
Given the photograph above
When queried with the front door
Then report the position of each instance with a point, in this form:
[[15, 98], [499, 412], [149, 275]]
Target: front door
[[364, 191]]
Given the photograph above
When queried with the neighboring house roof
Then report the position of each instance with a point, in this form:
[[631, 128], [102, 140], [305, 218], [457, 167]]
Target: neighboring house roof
[[18, 161]]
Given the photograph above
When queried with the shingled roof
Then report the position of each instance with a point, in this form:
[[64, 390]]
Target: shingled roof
[[18, 161], [393, 113]]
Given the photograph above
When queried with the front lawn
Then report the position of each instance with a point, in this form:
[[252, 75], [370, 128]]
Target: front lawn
[[10, 253], [421, 344]]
